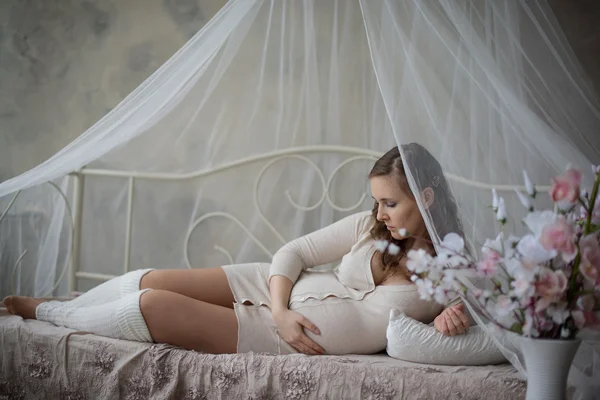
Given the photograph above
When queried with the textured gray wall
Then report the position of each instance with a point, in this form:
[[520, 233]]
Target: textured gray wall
[[65, 63]]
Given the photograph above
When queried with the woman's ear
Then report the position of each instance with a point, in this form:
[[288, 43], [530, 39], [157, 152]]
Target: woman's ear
[[427, 197]]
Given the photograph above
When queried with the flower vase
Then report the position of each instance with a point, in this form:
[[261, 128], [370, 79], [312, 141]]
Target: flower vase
[[547, 362]]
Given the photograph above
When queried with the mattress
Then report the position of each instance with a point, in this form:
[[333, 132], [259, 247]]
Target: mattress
[[41, 361]]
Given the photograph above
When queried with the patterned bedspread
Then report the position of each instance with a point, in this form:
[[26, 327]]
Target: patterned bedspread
[[42, 361]]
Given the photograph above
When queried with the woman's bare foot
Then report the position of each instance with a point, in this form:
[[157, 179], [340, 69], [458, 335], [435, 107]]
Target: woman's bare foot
[[22, 306]]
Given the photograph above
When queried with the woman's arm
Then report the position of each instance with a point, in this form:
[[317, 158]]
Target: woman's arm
[[280, 288], [452, 321], [320, 247], [290, 323]]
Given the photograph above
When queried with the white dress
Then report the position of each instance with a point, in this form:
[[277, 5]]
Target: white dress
[[349, 310]]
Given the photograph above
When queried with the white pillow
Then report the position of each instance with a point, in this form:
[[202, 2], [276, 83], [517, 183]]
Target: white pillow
[[411, 340]]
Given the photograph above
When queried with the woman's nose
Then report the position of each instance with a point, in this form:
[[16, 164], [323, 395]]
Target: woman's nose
[[380, 215]]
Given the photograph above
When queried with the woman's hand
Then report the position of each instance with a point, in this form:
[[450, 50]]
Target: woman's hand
[[452, 321], [291, 329]]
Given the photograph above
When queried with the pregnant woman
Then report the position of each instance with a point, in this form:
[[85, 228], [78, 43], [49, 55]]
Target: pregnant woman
[[283, 307]]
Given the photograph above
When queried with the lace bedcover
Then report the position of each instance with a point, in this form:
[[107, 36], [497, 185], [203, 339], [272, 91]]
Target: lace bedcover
[[41, 361]]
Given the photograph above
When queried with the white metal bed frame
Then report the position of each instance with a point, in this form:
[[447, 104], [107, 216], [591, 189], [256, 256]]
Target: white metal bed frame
[[75, 209]]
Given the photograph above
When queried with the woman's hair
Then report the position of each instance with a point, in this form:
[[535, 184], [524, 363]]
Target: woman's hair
[[426, 172]]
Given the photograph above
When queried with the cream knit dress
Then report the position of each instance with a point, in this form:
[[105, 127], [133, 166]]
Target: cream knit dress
[[349, 310]]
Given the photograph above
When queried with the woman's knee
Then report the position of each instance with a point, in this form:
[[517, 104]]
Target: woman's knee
[[147, 280], [152, 302]]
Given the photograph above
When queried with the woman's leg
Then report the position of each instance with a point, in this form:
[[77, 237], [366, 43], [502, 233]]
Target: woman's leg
[[209, 285], [106, 292], [192, 324], [146, 315], [112, 289]]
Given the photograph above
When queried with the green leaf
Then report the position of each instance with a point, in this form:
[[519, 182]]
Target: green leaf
[[516, 328]]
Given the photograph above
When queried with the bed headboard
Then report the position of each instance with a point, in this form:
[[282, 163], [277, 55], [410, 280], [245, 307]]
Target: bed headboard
[[74, 206]]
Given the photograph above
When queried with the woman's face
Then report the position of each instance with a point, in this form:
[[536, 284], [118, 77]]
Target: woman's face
[[396, 208]]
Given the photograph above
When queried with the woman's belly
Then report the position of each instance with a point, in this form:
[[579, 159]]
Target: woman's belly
[[347, 326]]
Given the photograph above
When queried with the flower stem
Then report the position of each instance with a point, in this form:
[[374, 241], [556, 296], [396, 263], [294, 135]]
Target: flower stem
[[586, 231], [590, 210]]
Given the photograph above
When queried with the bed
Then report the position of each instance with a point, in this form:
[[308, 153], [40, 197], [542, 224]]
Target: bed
[[42, 361]]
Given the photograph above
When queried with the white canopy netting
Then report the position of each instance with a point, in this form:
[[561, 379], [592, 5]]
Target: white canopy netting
[[276, 107]]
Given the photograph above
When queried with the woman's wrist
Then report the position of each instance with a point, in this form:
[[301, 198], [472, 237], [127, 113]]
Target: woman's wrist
[[278, 309]]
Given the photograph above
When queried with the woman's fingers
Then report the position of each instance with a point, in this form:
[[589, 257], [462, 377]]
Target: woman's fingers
[[454, 320], [451, 327], [307, 350], [460, 311], [460, 319], [442, 326], [312, 345], [309, 325]]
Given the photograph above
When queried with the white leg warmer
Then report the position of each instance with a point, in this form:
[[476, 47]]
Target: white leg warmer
[[112, 289], [120, 319]]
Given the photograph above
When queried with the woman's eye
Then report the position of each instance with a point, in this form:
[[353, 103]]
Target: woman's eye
[[392, 205]]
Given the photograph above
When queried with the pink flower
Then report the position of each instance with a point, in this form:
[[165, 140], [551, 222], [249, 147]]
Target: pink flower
[[560, 236], [590, 258], [551, 284], [543, 303], [565, 188], [592, 320], [578, 318], [522, 286], [586, 303], [489, 265]]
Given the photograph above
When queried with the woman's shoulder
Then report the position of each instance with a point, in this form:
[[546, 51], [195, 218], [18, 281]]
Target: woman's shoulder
[[363, 222]]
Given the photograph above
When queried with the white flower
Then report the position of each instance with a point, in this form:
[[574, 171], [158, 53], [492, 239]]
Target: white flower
[[531, 250], [425, 288], [402, 232], [434, 274], [393, 249], [440, 296], [525, 200], [501, 213], [381, 245], [504, 306], [528, 185], [419, 261], [495, 200], [453, 242], [564, 333], [509, 246], [457, 261], [449, 276], [558, 312], [528, 327], [536, 220], [493, 245]]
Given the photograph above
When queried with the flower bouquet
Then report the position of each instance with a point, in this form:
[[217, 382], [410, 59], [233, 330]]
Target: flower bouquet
[[545, 284], [540, 289]]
